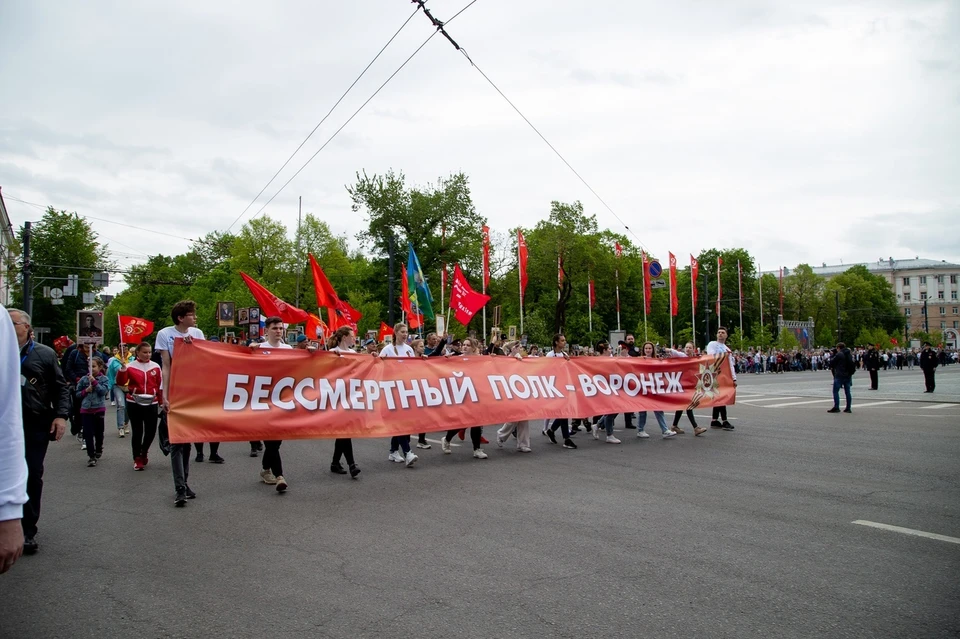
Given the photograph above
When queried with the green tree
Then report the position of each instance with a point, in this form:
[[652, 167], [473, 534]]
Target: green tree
[[874, 336], [62, 244], [760, 336]]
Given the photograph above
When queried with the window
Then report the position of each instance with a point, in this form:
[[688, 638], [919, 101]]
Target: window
[[923, 279], [906, 281], [943, 325], [906, 312], [939, 279], [953, 295], [906, 297], [953, 279], [923, 296], [955, 309], [956, 324], [939, 295], [943, 310]]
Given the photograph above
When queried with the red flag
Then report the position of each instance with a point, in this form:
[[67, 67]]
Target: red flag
[[781, 291], [316, 328], [346, 315], [134, 329], [593, 295], [271, 305], [646, 282], [674, 302], [464, 301], [617, 249], [694, 273], [522, 258], [326, 295], [719, 288], [894, 341], [486, 257], [384, 331]]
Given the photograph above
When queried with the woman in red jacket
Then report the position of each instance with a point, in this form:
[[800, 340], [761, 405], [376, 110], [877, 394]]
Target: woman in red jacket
[[142, 379]]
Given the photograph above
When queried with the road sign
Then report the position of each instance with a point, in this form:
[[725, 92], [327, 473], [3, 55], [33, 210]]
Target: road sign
[[658, 284], [56, 294], [655, 269], [57, 302], [89, 298]]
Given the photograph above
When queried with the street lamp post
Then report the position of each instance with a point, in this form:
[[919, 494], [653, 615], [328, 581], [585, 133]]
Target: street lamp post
[[839, 334]]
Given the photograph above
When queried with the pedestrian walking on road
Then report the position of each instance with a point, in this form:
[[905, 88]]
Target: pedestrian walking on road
[[843, 368]]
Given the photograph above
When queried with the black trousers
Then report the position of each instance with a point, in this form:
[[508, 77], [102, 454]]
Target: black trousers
[[475, 433], [720, 413], [874, 380], [93, 432], [36, 441], [342, 448], [676, 418], [214, 447], [143, 427], [928, 379], [271, 457], [563, 424]]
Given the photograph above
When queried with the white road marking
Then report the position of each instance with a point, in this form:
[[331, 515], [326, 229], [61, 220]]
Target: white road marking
[[874, 404], [907, 531], [939, 406], [811, 401], [437, 441], [931, 415], [768, 399]]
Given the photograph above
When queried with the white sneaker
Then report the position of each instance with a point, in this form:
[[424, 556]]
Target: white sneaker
[[395, 456], [479, 454], [445, 445], [267, 477], [596, 433], [524, 449], [669, 434], [83, 445], [113, 403], [612, 440], [410, 459], [642, 435], [120, 432], [500, 441]]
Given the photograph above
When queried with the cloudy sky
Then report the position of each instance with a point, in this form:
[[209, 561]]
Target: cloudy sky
[[809, 132]]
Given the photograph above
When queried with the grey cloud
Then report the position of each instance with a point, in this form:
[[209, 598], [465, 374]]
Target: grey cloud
[[912, 233], [62, 190], [622, 78]]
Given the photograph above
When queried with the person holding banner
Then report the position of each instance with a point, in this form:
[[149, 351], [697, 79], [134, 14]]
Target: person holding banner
[[649, 351], [603, 350], [521, 428], [468, 348], [343, 341], [272, 464], [559, 344], [719, 347], [689, 350], [400, 348]]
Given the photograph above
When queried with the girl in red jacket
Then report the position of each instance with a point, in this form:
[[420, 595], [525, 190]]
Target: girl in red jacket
[[142, 378]]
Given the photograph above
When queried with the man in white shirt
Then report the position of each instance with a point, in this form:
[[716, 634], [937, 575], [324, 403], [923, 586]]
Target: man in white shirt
[[272, 466], [13, 463], [184, 315], [720, 347]]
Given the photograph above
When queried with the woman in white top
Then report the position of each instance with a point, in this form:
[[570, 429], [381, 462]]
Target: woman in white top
[[521, 428], [688, 351], [342, 341], [649, 351], [400, 348], [468, 348]]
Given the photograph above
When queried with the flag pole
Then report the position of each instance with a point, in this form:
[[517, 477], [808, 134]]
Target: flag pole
[[645, 317], [520, 287], [120, 326], [483, 283], [672, 285], [617, 273], [693, 309], [590, 305], [760, 283], [740, 286]]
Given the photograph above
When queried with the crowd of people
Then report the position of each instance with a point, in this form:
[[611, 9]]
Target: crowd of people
[[73, 388], [784, 361]]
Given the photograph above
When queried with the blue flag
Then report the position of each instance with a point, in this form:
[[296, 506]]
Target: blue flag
[[420, 298]]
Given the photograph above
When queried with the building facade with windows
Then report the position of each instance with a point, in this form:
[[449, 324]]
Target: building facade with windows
[[921, 286], [9, 249]]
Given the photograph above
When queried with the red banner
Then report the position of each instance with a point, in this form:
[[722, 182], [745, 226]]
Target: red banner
[[522, 259], [271, 305], [133, 330], [486, 257], [465, 301], [646, 283], [221, 392], [674, 300], [694, 273], [593, 295]]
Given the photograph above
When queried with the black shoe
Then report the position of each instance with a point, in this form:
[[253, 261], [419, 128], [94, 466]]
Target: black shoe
[[354, 471], [727, 426], [568, 443], [181, 499], [92, 462], [259, 447], [337, 469], [30, 546], [629, 426], [716, 424], [847, 410], [834, 410], [216, 459], [189, 493], [253, 452], [553, 438], [199, 457], [99, 454]]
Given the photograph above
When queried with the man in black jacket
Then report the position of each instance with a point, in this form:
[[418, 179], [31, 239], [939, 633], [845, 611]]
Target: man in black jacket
[[843, 366], [871, 362], [45, 402], [928, 364]]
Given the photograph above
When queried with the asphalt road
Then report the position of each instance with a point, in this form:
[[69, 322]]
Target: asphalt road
[[734, 534]]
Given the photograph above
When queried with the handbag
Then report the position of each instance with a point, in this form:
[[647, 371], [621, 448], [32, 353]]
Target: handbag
[[163, 434]]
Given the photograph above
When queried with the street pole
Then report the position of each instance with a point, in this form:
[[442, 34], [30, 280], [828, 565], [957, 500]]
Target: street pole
[[706, 313], [839, 334], [390, 300], [926, 316], [27, 289], [299, 263]]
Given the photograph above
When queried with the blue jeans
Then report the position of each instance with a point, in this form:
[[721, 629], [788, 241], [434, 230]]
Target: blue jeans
[[838, 383], [121, 400], [642, 422], [607, 422]]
